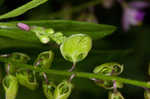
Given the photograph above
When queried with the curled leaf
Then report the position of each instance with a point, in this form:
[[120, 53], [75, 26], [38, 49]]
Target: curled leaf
[[48, 90], [63, 90], [27, 79], [10, 85], [115, 95], [19, 57], [16, 57], [44, 59], [109, 69], [76, 47]]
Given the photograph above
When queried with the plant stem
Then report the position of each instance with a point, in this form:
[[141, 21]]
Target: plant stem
[[81, 74]]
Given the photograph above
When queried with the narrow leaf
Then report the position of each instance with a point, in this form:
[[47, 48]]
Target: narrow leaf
[[23, 9], [96, 31]]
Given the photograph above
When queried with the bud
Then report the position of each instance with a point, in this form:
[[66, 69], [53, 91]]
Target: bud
[[42, 33], [109, 69], [63, 90], [23, 26], [147, 94], [58, 37], [44, 59], [10, 85], [115, 95], [27, 79], [44, 39], [49, 31], [48, 90], [76, 47]]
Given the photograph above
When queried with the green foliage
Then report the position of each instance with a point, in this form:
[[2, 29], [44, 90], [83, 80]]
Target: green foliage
[[61, 32], [22, 9], [13, 34], [96, 31]]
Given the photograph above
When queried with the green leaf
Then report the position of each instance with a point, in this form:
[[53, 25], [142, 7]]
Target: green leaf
[[11, 43], [23, 9], [96, 31], [10, 85]]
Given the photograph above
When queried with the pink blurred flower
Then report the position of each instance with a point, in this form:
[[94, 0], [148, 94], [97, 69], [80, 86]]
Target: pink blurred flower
[[23, 26], [133, 14]]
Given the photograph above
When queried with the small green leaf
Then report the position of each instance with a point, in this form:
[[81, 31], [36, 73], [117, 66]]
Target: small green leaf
[[109, 69], [23, 9], [48, 90], [27, 79], [10, 85], [76, 47], [63, 90], [44, 59]]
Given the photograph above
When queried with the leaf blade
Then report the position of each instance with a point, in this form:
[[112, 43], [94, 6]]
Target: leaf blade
[[96, 31], [20, 10]]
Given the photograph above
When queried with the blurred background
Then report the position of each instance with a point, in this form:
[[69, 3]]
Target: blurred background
[[131, 47]]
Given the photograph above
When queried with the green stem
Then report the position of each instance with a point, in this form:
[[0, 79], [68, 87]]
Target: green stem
[[81, 74]]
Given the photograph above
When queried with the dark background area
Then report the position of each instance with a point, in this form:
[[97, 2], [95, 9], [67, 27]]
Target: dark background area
[[130, 48]]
